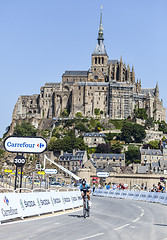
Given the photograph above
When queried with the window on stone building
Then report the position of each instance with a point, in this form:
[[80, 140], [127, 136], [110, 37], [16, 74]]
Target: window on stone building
[[79, 99], [95, 60], [79, 87], [102, 69], [94, 69], [102, 60], [99, 60]]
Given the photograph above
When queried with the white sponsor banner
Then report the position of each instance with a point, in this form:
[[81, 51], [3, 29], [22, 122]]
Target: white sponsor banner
[[66, 200], [44, 202], [80, 200], [9, 206], [111, 193], [156, 196], [123, 194], [74, 198], [105, 192], [143, 195], [136, 195], [150, 196], [28, 204], [56, 201], [130, 195], [117, 194], [161, 197], [165, 200]]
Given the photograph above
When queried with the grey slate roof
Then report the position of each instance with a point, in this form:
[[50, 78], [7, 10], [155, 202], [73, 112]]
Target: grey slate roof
[[100, 49], [70, 157], [94, 135], [151, 152], [107, 155], [75, 73], [112, 62], [142, 169], [93, 83], [145, 91]]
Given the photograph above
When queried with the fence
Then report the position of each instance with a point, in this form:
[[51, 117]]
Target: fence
[[20, 205], [154, 197]]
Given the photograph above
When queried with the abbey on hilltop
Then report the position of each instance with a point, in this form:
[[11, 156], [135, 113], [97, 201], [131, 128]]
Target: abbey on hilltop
[[109, 85]]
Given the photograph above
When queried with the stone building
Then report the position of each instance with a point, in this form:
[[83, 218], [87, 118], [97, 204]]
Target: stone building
[[109, 85], [72, 161], [93, 139], [104, 160]]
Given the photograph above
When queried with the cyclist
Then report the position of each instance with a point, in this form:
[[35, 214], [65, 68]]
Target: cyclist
[[84, 188]]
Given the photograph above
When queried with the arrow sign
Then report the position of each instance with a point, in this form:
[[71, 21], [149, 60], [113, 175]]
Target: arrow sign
[[103, 174], [50, 171]]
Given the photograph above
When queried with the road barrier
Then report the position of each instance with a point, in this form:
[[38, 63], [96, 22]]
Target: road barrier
[[155, 197], [20, 205]]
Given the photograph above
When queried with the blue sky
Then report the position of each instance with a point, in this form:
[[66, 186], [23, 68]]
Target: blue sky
[[41, 39]]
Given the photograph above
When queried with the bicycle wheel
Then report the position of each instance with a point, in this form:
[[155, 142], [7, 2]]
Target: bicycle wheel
[[87, 212], [84, 212]]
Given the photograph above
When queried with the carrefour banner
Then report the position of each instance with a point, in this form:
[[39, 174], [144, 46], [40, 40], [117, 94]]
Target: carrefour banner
[[9, 207]]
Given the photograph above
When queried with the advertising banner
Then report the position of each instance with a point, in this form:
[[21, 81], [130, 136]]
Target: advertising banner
[[66, 200], [28, 204], [9, 206], [74, 198]]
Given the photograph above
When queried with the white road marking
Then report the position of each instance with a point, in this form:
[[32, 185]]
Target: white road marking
[[96, 235], [135, 220], [121, 227]]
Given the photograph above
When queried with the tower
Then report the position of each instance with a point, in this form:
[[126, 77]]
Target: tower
[[99, 57]]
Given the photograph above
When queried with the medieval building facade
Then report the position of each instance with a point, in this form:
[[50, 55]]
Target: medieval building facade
[[109, 85]]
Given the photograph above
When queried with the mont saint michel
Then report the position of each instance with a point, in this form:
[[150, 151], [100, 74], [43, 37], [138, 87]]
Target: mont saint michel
[[109, 86]]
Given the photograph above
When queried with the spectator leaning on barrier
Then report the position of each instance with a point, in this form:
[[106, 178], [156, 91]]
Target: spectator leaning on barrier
[[154, 189], [160, 187]]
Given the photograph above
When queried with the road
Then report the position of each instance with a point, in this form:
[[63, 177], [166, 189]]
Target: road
[[110, 219]]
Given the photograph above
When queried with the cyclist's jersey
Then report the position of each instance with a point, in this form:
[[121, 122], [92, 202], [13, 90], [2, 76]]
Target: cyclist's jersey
[[84, 189]]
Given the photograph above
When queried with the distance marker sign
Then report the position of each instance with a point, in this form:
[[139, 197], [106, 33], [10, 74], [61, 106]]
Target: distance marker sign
[[25, 144]]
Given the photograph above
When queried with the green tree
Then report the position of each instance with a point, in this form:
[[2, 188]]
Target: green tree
[[81, 127], [138, 133], [97, 111], [140, 113], [154, 144], [132, 155], [149, 123], [65, 113], [78, 115], [24, 129], [116, 147], [126, 132], [131, 132], [162, 127]]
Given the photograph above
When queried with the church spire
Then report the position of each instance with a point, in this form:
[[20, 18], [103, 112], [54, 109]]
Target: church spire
[[100, 48], [100, 33]]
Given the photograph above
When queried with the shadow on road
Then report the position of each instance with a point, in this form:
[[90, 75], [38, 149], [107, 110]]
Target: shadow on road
[[159, 224], [78, 216]]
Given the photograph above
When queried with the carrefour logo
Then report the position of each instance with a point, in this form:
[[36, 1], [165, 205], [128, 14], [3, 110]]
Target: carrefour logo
[[6, 200], [40, 145], [25, 144]]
